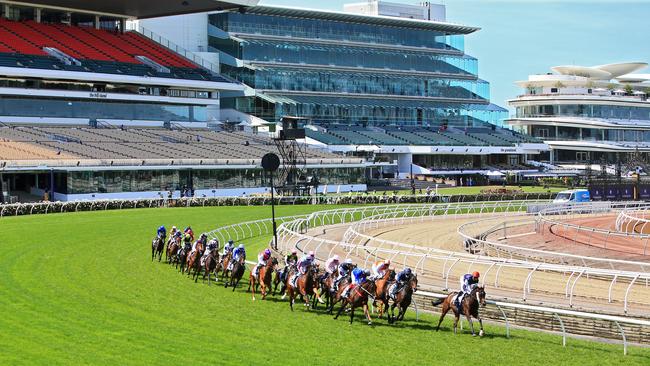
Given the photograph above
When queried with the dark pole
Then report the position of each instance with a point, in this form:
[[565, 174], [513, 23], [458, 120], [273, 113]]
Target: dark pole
[[275, 231], [412, 180]]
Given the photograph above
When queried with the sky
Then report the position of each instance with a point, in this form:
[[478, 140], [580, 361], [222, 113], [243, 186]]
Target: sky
[[522, 37]]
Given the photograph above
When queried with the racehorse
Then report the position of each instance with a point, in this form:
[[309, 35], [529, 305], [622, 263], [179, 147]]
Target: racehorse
[[157, 245], [469, 308], [172, 249], [336, 296], [209, 265], [264, 278], [358, 296], [403, 299], [223, 267], [305, 287], [382, 291], [182, 257], [236, 274], [194, 258]]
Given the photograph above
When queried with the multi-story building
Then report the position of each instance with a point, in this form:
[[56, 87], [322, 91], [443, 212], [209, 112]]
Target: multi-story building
[[586, 114]]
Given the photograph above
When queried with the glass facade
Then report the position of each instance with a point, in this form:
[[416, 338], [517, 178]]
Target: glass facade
[[375, 81], [162, 180], [283, 26], [271, 78], [27, 107], [585, 110], [344, 56], [589, 134]]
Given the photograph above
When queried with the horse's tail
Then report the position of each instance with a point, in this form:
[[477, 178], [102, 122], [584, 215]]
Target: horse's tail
[[438, 301]]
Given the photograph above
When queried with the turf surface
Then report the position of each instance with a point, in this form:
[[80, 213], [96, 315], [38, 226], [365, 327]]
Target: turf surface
[[80, 289]]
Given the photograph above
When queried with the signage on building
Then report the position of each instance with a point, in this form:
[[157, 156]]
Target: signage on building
[[98, 95]]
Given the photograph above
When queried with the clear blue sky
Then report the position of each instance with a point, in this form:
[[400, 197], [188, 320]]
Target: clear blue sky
[[522, 37]]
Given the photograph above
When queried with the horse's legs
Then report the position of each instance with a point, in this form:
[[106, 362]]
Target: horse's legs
[[471, 324], [456, 323], [290, 291], [343, 303], [480, 322], [365, 311], [351, 313], [445, 310]]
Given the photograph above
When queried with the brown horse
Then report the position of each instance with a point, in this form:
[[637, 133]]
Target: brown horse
[[236, 274], [223, 266], [306, 286], [469, 308], [209, 266], [157, 245], [381, 295], [173, 245], [403, 299], [194, 258], [358, 296], [337, 295], [263, 279], [181, 257]]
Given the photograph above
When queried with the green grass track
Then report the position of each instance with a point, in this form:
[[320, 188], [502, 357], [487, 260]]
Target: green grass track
[[79, 288]]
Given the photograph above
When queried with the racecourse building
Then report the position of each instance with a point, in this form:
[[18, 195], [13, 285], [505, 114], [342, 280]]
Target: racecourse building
[[586, 114], [89, 109], [385, 79]]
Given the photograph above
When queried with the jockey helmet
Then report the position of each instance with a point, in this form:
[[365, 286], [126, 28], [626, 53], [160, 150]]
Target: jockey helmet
[[241, 246], [189, 228], [267, 252], [348, 261], [174, 228], [387, 262], [231, 242], [162, 227], [407, 271], [294, 251], [366, 272], [204, 235], [335, 258], [311, 254], [476, 274]]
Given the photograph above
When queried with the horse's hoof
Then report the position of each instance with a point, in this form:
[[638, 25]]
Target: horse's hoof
[[473, 334], [253, 299], [369, 323], [481, 333]]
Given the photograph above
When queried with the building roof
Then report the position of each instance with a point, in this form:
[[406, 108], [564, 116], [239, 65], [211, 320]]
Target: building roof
[[144, 8], [601, 72], [362, 18]]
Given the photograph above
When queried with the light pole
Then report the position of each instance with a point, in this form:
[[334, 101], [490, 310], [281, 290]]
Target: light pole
[[271, 163]]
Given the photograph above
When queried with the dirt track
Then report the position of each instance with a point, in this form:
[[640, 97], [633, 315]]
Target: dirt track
[[546, 288]]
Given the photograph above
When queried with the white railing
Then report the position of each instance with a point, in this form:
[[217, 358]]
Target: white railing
[[576, 285]]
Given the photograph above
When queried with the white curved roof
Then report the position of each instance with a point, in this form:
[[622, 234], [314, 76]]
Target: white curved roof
[[600, 72], [634, 78]]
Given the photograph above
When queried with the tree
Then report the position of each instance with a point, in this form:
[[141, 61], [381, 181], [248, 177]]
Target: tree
[[611, 86], [628, 89], [559, 85], [590, 84]]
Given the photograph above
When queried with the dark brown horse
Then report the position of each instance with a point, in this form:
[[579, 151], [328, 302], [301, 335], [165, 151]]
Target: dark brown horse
[[182, 257], [263, 279], [173, 245], [469, 308], [306, 287], [194, 258], [209, 266], [357, 297], [403, 299], [157, 246], [236, 274], [381, 295]]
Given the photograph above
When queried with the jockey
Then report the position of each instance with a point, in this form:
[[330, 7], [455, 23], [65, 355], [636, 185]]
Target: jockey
[[211, 247], [344, 272], [401, 279], [303, 266], [332, 265], [359, 276], [261, 261], [173, 232], [188, 231], [203, 238], [379, 268], [178, 234], [162, 232], [305, 262], [291, 259], [467, 284], [228, 248], [239, 253]]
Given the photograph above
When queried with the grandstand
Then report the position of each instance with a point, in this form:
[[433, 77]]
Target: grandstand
[[90, 110]]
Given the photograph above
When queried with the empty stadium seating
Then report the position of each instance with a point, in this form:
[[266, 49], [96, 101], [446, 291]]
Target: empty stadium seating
[[42, 142], [418, 136], [22, 44]]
